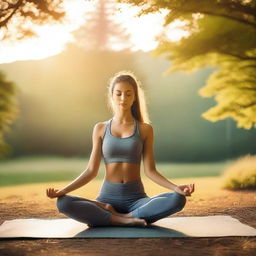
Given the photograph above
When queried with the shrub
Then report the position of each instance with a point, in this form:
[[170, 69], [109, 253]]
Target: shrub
[[241, 174]]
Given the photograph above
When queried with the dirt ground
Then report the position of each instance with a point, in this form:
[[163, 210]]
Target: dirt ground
[[29, 201]]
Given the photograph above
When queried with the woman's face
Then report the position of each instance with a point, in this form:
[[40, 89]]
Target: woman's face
[[123, 95]]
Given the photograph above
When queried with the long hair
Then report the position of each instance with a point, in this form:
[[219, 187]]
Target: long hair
[[139, 107]]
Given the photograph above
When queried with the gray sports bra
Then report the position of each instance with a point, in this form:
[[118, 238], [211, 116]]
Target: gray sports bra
[[128, 149]]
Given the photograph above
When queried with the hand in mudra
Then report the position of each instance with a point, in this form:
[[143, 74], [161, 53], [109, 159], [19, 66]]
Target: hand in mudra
[[52, 193], [185, 190]]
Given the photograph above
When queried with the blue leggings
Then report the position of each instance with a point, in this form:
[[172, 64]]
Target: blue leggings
[[124, 197]]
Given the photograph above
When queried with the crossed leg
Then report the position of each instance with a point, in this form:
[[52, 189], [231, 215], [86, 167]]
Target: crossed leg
[[157, 207], [144, 211], [118, 218], [151, 209], [94, 213], [111, 209]]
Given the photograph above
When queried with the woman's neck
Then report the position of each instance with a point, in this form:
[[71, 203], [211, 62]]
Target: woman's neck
[[123, 119]]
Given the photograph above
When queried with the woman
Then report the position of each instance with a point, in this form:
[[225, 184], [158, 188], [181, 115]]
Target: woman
[[122, 141]]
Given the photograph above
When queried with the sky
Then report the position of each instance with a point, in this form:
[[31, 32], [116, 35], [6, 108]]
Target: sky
[[143, 31]]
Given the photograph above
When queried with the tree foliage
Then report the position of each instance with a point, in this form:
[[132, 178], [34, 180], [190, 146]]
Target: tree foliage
[[18, 16], [8, 110], [222, 34]]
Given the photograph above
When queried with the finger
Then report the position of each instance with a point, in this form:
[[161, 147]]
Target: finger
[[51, 192], [186, 192], [182, 192]]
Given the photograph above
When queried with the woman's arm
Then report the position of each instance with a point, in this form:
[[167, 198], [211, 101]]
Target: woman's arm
[[91, 170], [84, 178], [150, 167]]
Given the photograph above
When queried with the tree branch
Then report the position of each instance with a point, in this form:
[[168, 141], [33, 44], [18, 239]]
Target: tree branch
[[234, 6], [236, 55], [247, 88], [245, 106], [16, 7], [231, 17], [253, 24]]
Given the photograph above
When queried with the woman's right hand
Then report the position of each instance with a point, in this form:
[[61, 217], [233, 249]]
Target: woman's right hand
[[52, 193]]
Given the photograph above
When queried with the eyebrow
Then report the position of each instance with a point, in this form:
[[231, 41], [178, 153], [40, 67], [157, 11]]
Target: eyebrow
[[120, 91]]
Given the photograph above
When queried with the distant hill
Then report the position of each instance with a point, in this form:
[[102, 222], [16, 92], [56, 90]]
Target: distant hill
[[63, 96]]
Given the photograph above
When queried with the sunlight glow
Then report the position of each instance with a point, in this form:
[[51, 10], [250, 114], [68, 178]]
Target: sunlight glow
[[174, 32], [143, 30], [41, 47]]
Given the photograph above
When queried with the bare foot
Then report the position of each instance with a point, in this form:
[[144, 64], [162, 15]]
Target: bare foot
[[123, 221], [110, 208]]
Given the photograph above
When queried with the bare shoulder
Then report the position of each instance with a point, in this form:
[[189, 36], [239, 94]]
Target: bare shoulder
[[145, 129], [99, 128]]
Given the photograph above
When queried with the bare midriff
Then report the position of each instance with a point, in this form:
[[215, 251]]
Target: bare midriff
[[122, 172]]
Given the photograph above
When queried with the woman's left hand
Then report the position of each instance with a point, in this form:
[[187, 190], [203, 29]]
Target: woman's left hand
[[185, 190]]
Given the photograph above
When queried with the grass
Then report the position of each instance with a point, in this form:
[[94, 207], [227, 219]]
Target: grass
[[241, 174], [39, 169]]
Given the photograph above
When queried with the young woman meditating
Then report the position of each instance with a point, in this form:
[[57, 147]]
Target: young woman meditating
[[122, 141]]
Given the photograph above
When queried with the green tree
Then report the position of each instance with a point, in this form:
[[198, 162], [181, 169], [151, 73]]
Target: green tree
[[222, 34], [8, 110]]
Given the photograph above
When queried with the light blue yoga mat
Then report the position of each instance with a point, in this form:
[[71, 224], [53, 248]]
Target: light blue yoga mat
[[199, 226]]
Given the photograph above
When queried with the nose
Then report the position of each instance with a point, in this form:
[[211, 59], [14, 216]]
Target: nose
[[123, 98]]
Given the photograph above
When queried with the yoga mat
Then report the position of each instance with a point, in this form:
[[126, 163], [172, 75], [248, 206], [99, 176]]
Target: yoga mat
[[200, 226]]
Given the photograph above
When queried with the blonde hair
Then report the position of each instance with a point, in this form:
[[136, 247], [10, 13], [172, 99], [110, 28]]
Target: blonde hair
[[139, 107]]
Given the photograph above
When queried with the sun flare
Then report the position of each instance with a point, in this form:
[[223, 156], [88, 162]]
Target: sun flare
[[41, 47]]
